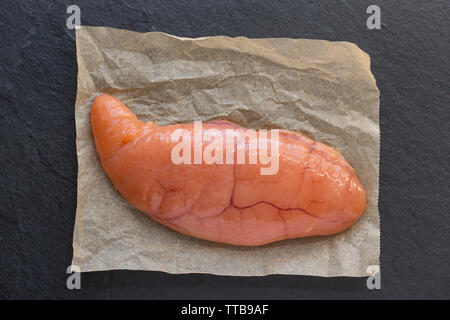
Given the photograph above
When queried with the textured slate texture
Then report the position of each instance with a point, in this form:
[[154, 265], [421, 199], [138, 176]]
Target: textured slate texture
[[38, 157]]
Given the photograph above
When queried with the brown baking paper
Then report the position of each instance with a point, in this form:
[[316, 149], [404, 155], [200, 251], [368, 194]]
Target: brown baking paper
[[323, 89]]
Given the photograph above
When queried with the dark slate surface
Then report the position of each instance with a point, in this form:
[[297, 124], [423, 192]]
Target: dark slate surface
[[38, 164]]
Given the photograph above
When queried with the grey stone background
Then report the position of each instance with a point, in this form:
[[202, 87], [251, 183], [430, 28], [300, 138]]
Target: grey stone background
[[38, 164]]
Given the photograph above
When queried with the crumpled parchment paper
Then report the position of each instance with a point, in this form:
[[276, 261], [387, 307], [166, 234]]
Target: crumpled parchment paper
[[323, 89]]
